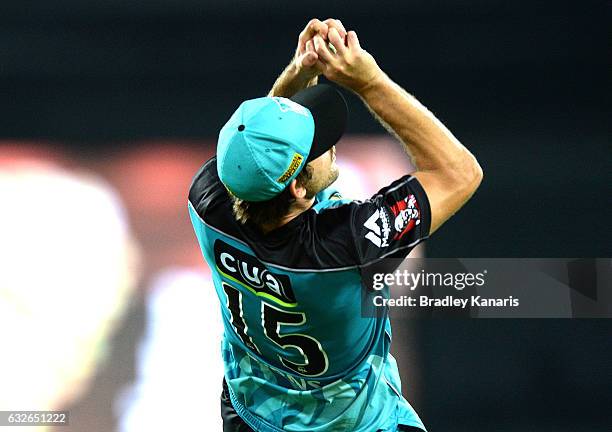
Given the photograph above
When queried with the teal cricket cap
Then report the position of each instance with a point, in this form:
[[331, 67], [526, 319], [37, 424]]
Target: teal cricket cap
[[268, 141]]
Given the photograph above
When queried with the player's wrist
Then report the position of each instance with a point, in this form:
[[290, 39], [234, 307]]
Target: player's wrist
[[292, 80], [372, 86], [302, 75]]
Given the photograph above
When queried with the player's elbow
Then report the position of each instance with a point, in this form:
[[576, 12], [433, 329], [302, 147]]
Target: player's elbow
[[465, 173], [473, 176], [476, 174]]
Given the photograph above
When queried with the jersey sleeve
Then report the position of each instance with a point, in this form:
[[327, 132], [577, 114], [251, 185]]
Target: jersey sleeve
[[392, 222], [206, 190]]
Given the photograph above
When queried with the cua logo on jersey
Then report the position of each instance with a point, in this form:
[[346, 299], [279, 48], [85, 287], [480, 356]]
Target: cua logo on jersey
[[252, 274], [406, 214], [378, 228]]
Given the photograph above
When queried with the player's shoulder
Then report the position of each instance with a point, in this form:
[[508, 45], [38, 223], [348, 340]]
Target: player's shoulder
[[388, 224], [206, 191], [332, 222]]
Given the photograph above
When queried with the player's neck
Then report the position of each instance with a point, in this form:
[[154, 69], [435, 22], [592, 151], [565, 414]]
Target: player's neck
[[296, 209]]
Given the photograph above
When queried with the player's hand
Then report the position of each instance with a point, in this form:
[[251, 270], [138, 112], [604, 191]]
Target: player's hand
[[306, 58], [350, 65]]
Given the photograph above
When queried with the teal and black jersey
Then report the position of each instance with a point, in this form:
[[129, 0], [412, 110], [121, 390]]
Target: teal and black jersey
[[299, 354]]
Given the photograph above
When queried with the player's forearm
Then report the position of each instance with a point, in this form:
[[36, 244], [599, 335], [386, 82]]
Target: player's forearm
[[291, 81], [430, 144]]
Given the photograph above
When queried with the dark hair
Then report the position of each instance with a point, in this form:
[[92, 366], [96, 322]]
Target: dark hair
[[270, 212]]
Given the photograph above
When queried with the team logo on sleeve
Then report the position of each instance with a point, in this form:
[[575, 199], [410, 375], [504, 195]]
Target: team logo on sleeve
[[406, 214], [378, 228]]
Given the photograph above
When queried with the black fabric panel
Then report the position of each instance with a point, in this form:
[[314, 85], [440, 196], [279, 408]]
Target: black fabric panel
[[331, 239], [232, 422]]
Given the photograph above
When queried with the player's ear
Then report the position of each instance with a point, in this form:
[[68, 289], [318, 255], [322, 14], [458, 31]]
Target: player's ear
[[296, 189]]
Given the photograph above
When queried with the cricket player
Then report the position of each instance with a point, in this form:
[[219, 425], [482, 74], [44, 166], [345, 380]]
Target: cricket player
[[287, 255]]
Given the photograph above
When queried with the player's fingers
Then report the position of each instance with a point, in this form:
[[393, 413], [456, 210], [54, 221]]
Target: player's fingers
[[304, 35], [353, 41], [321, 48], [313, 27], [317, 27], [310, 46], [318, 64], [343, 30], [337, 24], [337, 41]]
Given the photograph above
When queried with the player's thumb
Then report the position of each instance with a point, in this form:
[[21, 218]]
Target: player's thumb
[[309, 59]]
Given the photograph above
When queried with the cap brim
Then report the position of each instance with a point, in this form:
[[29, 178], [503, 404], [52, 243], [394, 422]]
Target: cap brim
[[330, 113]]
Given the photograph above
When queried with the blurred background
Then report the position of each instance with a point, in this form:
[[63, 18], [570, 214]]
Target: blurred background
[[109, 108]]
